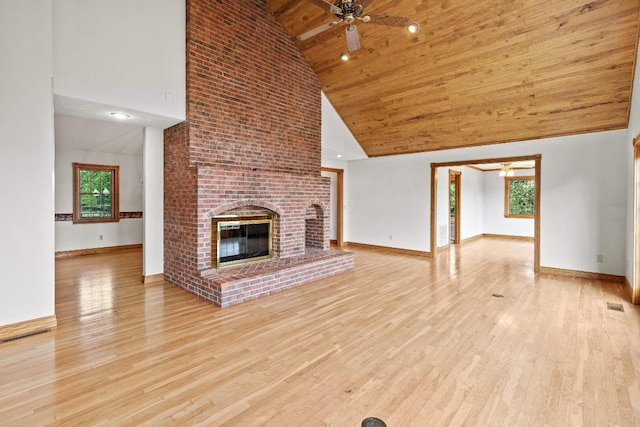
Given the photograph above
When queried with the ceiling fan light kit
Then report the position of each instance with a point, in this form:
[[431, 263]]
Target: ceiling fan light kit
[[506, 170], [350, 11]]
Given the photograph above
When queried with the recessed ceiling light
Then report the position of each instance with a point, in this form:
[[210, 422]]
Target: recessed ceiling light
[[413, 27], [345, 56], [120, 116], [339, 155]]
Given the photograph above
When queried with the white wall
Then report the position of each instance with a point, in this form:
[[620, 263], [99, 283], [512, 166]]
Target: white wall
[[337, 139], [583, 199], [70, 236], [442, 211], [123, 53], [583, 204], [388, 199], [472, 202], [153, 161], [494, 219], [26, 157]]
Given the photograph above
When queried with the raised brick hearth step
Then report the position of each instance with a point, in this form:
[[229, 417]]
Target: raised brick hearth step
[[233, 285]]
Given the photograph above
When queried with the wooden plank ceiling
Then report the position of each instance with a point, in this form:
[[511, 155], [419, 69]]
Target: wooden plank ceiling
[[478, 72]]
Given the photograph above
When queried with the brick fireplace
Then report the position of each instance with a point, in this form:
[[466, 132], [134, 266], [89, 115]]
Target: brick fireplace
[[250, 146]]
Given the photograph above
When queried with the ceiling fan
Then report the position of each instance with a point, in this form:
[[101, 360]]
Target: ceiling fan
[[350, 11]]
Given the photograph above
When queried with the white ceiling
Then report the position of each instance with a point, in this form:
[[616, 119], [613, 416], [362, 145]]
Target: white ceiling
[[86, 125], [93, 110], [76, 133]]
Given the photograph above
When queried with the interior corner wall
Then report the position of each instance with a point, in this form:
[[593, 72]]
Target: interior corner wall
[[583, 200], [27, 160], [337, 139]]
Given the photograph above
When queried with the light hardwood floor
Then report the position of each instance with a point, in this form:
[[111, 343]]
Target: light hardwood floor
[[414, 341]]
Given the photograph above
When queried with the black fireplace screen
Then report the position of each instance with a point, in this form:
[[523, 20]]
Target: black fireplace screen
[[243, 240]]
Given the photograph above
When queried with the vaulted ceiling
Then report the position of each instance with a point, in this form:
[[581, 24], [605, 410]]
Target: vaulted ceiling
[[477, 72]]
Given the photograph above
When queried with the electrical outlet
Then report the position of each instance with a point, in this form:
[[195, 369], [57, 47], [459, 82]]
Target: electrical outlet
[[101, 237], [599, 258], [390, 237]]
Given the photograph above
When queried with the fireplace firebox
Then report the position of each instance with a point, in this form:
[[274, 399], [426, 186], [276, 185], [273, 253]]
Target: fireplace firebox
[[240, 239]]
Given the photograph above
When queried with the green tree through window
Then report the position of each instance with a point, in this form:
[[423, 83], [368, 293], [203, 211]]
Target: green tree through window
[[95, 193], [519, 197], [452, 198]]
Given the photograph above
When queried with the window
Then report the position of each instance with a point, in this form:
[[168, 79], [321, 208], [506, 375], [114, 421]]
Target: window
[[519, 196], [95, 193]]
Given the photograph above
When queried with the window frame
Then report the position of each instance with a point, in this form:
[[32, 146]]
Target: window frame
[[507, 196], [115, 193]]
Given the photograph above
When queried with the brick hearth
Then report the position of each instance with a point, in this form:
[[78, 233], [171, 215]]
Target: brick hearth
[[232, 285], [250, 144]]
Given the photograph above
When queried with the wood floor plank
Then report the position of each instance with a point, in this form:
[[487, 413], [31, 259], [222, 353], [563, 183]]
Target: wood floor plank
[[411, 340]]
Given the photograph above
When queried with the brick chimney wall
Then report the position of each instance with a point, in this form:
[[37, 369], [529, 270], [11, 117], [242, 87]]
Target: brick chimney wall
[[252, 100], [251, 140]]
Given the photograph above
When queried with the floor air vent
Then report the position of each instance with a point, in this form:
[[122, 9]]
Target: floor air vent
[[615, 306]]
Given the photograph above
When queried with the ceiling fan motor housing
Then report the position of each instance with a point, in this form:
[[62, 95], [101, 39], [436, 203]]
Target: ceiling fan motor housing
[[349, 9]]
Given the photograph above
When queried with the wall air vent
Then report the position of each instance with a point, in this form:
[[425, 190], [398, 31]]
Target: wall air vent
[[29, 334]]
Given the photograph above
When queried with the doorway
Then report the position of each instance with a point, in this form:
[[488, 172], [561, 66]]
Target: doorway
[[537, 159], [337, 191], [455, 193]]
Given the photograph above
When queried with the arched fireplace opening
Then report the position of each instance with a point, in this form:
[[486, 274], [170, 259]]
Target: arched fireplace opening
[[243, 234]]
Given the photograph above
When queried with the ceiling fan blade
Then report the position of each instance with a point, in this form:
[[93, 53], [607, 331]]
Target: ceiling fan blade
[[326, 6], [391, 21], [317, 30], [353, 41]]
